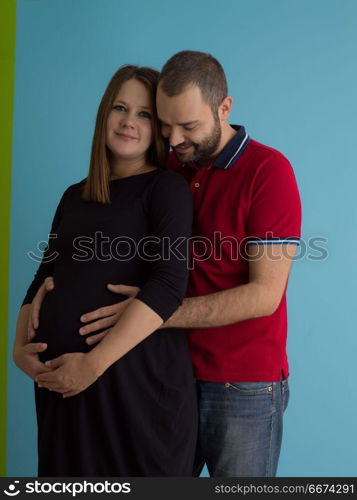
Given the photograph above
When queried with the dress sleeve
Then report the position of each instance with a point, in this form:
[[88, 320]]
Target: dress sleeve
[[47, 264], [169, 208], [275, 208]]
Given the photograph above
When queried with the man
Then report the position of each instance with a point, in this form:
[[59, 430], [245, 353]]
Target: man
[[246, 228]]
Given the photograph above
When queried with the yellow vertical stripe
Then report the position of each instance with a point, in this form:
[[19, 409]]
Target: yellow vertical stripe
[[7, 75]]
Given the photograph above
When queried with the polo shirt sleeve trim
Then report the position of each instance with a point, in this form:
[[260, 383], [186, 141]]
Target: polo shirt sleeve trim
[[282, 241]]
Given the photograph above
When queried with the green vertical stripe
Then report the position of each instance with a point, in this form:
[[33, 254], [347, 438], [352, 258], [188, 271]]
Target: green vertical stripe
[[7, 76]]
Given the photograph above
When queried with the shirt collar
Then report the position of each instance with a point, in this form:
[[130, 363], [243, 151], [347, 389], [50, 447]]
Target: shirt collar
[[233, 149]]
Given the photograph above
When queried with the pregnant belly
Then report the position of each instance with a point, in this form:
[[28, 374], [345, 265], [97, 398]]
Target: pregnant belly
[[61, 311]]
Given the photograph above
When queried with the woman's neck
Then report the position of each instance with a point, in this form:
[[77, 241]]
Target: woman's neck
[[125, 168]]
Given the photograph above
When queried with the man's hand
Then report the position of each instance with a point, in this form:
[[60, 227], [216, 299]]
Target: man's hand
[[69, 374], [33, 323], [107, 316], [26, 358]]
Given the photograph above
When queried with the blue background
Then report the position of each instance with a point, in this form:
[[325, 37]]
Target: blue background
[[291, 67]]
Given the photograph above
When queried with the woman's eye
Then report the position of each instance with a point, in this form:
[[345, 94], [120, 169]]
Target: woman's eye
[[119, 107], [145, 114]]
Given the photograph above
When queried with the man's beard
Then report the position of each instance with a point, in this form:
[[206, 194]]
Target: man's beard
[[203, 151]]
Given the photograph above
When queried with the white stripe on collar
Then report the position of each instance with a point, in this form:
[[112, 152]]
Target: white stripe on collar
[[237, 152]]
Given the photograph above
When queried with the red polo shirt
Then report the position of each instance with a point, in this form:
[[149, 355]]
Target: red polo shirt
[[248, 196]]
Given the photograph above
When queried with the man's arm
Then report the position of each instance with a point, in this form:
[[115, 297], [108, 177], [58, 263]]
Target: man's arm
[[269, 268], [260, 297]]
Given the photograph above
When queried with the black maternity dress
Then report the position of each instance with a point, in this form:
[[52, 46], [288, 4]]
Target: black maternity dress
[[140, 417]]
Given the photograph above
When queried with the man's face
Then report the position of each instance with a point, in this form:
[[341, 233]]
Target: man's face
[[188, 123]]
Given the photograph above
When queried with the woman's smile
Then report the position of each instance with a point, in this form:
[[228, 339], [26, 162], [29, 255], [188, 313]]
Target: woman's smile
[[126, 136]]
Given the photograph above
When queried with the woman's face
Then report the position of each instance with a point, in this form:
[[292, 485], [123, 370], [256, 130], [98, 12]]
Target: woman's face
[[129, 125]]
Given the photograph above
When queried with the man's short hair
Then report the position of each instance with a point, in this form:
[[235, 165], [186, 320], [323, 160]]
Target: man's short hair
[[190, 67]]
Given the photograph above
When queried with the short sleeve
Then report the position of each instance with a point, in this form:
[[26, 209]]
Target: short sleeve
[[169, 208], [275, 209], [46, 267]]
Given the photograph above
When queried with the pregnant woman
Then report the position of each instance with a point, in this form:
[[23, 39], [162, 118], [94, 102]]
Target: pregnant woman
[[126, 407]]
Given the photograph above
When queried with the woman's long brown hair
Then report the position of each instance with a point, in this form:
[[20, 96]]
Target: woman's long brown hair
[[96, 187]]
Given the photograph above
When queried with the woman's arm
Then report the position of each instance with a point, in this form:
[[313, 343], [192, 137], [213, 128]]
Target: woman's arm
[[46, 268], [72, 373], [25, 355]]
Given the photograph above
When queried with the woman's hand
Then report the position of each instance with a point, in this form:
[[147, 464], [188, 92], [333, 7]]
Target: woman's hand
[[26, 358], [70, 373]]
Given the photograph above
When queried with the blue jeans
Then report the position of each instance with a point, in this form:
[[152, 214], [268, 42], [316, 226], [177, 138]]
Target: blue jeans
[[241, 427]]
